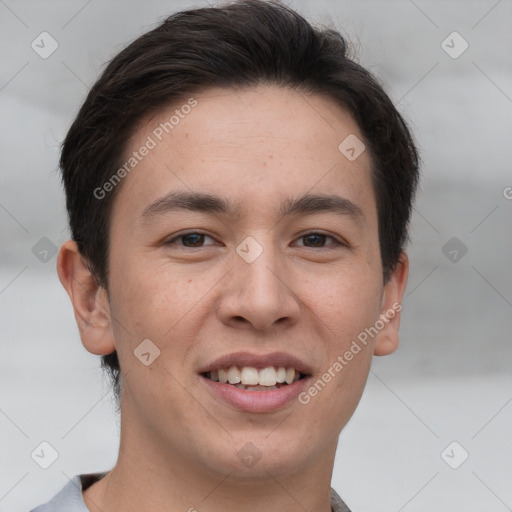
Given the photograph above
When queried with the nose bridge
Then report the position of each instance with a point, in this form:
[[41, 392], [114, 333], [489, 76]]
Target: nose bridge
[[261, 273]]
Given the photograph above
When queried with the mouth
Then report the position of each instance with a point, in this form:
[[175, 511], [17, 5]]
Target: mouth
[[256, 383], [249, 378]]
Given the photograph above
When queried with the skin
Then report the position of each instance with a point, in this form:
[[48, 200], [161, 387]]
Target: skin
[[255, 146]]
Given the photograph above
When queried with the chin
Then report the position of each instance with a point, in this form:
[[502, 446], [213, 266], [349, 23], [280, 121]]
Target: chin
[[256, 456]]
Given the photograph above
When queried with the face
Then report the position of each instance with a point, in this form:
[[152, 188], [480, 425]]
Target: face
[[243, 243]]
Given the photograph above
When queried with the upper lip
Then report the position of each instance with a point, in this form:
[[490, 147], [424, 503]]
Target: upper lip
[[259, 361]]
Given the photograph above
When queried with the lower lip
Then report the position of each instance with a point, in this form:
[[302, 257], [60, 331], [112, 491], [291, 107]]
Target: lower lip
[[256, 401]]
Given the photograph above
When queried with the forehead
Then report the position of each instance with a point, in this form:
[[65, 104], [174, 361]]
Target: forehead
[[254, 145]]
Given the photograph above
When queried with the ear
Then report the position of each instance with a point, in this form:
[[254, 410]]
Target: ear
[[391, 306], [89, 299]]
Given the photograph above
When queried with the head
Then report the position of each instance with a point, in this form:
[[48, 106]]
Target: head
[[217, 128]]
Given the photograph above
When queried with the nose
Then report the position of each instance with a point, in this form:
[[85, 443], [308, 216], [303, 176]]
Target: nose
[[258, 295]]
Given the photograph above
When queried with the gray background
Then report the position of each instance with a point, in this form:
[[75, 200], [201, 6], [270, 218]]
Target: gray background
[[449, 381]]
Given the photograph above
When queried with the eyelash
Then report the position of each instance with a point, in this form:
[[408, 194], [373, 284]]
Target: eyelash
[[336, 242]]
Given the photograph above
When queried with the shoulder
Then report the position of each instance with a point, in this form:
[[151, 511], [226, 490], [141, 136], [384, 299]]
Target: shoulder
[[337, 504], [69, 498]]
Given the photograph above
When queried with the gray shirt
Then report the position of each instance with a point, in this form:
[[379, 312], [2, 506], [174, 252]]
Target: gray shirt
[[70, 499]]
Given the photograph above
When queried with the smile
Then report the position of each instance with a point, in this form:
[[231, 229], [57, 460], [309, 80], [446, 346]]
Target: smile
[[249, 378], [256, 383]]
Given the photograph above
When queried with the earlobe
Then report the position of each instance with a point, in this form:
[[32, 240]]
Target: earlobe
[[388, 337], [89, 299]]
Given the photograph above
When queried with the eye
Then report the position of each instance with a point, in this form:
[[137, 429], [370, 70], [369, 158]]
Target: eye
[[317, 240], [195, 239], [190, 240]]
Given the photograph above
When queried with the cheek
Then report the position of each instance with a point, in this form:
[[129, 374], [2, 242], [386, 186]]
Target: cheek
[[348, 300], [153, 300], [150, 304], [163, 305], [347, 305], [348, 309]]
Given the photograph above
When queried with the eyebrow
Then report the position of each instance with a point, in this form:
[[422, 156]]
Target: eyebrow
[[308, 204]]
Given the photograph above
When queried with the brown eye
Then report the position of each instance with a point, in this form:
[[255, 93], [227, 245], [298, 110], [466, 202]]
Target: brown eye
[[317, 240], [190, 240], [193, 240]]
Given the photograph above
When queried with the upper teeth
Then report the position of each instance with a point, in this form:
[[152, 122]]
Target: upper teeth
[[250, 376]]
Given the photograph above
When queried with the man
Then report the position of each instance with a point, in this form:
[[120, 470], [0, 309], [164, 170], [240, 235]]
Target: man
[[238, 192]]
